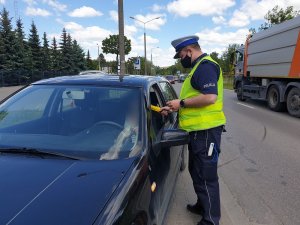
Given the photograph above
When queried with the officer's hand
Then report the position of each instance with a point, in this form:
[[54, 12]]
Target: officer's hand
[[174, 104]]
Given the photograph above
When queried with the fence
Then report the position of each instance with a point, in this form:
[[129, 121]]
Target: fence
[[23, 77]]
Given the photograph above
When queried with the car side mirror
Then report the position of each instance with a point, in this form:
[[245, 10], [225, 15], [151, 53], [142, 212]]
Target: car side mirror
[[174, 137]]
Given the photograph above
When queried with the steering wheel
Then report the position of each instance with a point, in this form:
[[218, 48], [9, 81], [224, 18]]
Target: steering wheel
[[110, 123]]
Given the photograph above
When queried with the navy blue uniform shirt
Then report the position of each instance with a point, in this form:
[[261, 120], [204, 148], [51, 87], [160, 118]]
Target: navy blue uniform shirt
[[206, 76]]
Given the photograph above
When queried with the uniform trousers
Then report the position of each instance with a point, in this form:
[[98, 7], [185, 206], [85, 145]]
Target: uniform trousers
[[203, 170]]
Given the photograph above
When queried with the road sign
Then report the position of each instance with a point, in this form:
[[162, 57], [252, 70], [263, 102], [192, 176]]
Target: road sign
[[137, 64]]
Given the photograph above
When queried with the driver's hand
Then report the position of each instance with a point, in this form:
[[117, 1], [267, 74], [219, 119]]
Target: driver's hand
[[165, 110]]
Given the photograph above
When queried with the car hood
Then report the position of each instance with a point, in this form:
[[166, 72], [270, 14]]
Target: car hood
[[55, 191]]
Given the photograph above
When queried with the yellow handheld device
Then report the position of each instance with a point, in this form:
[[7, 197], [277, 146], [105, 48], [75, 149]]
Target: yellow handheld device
[[155, 108]]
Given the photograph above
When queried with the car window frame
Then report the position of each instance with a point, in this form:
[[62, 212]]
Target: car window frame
[[174, 115]]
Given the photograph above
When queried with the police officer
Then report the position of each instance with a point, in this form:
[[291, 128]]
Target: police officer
[[201, 114]]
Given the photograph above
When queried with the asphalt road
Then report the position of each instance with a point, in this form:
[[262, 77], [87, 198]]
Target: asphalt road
[[260, 161], [259, 168]]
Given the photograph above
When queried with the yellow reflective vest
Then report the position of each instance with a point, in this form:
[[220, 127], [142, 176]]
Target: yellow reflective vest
[[201, 118]]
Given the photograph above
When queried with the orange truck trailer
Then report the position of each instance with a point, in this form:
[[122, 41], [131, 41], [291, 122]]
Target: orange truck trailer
[[267, 67]]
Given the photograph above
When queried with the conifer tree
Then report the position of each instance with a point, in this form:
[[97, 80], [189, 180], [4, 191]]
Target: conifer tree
[[21, 46], [8, 41], [54, 56], [45, 53], [34, 48], [2, 53], [64, 51], [89, 63], [102, 60], [78, 58], [69, 55]]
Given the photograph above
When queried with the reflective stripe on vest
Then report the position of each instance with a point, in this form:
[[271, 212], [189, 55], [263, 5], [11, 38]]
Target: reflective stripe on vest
[[202, 118]]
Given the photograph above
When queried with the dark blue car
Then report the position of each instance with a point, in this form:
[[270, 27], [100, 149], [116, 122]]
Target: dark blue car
[[89, 150]]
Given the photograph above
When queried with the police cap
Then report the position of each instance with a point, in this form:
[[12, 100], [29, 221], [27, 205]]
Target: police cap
[[182, 42]]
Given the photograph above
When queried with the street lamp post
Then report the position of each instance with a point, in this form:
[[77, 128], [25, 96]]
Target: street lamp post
[[98, 57], [121, 38], [145, 51], [152, 61]]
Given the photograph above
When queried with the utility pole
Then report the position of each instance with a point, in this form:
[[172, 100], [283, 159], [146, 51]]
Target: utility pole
[[145, 45], [99, 57], [121, 38]]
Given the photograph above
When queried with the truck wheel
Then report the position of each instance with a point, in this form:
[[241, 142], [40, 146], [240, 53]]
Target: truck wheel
[[293, 102], [274, 99], [239, 92]]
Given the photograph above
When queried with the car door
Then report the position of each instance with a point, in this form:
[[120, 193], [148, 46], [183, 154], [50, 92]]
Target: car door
[[161, 160], [169, 94]]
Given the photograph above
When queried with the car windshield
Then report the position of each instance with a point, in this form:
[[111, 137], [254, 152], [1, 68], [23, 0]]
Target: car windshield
[[84, 121]]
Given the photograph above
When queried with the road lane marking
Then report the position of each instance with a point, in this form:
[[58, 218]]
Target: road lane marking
[[245, 105]]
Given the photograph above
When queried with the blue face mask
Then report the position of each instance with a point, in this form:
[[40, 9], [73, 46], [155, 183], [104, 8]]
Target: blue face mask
[[186, 62]]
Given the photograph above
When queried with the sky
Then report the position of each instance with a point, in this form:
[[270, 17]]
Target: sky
[[218, 23]]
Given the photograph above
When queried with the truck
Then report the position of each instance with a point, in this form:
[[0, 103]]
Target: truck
[[267, 67]]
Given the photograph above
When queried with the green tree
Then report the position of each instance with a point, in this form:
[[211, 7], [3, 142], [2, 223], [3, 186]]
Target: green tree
[[2, 53], [130, 66], [278, 15], [215, 56], [78, 58], [64, 50], [89, 63], [35, 49], [21, 46], [225, 60], [111, 45], [45, 53], [70, 54], [54, 56], [8, 41], [102, 61]]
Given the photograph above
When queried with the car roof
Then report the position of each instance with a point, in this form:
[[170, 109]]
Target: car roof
[[91, 72], [111, 80]]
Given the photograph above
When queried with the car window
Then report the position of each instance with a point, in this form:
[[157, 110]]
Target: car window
[[167, 91], [25, 108], [157, 121], [85, 121], [169, 94]]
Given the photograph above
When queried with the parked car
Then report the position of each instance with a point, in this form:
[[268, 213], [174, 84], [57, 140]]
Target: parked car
[[171, 79], [89, 150], [182, 78]]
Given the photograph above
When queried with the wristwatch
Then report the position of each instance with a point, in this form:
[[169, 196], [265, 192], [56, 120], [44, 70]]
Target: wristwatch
[[182, 103]]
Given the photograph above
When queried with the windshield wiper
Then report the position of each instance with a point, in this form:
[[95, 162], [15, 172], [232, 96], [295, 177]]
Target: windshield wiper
[[34, 151]]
